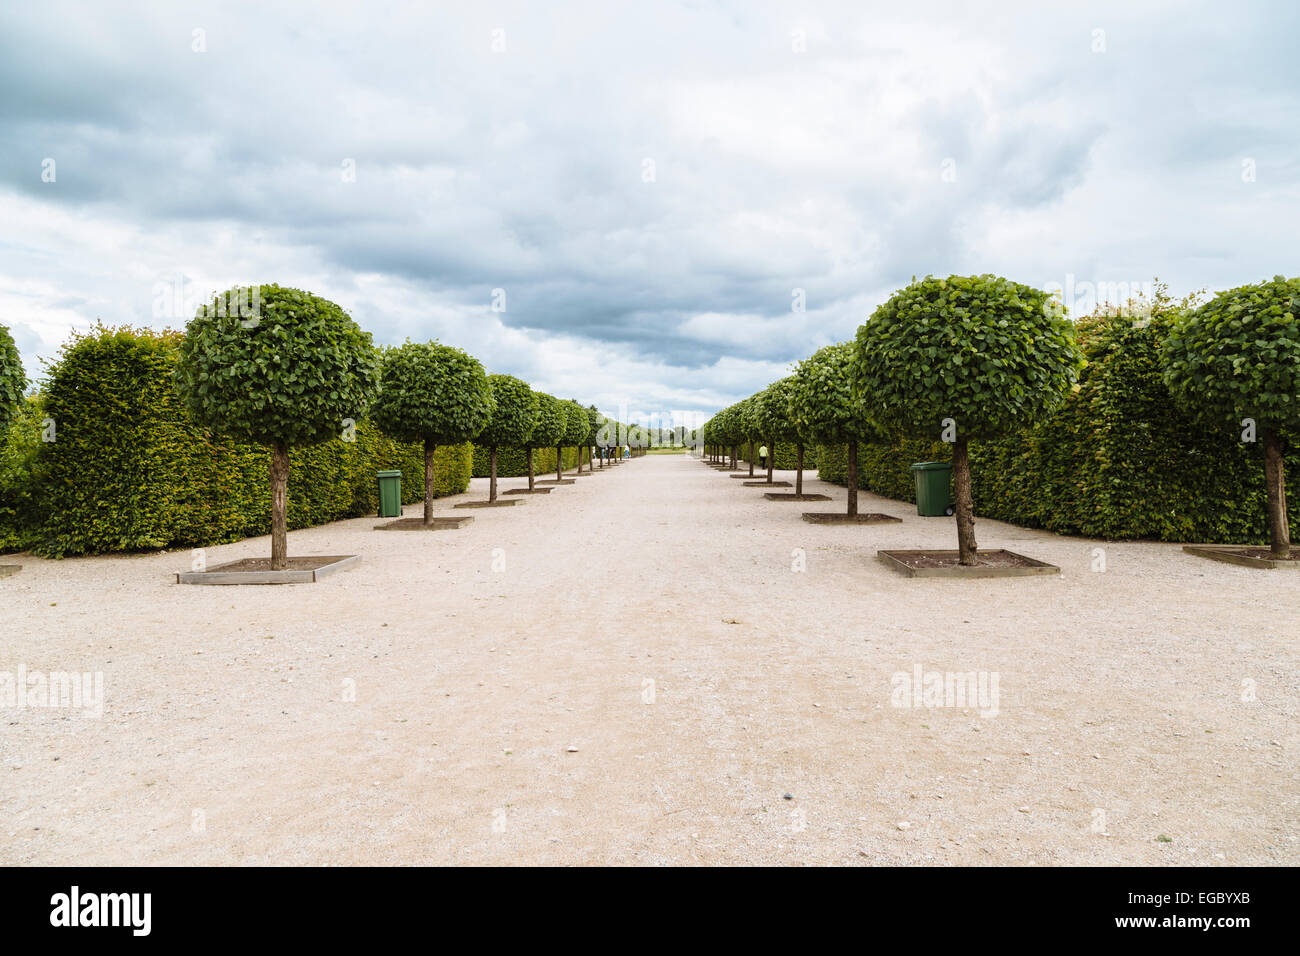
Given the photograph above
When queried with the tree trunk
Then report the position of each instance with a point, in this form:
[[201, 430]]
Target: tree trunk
[[966, 547], [798, 477], [429, 448], [530, 468], [771, 460], [492, 481], [751, 459], [1279, 529], [852, 478], [559, 463], [279, 506]]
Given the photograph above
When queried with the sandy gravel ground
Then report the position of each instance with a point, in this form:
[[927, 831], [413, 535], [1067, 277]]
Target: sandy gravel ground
[[228, 735]]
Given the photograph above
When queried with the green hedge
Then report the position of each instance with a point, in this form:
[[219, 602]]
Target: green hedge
[[786, 455], [1119, 460], [18, 480], [128, 470], [513, 462]]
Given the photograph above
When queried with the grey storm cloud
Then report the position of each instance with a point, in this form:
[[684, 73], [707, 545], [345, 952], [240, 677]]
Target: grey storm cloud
[[651, 185]]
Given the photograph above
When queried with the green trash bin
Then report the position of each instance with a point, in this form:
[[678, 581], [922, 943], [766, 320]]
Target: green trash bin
[[933, 488], [390, 494]]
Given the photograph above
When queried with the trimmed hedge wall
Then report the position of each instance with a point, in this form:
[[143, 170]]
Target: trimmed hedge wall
[[513, 462], [17, 476], [786, 456], [1119, 460], [128, 470]]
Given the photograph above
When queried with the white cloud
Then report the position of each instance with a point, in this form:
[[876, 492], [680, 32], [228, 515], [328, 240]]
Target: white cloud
[[775, 170]]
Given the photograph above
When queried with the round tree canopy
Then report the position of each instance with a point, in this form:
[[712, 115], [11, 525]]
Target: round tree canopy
[[432, 393], [714, 431], [612, 433], [1239, 355], [821, 401], [606, 433], [285, 367], [989, 353], [576, 425], [13, 381], [552, 421], [743, 422], [772, 411], [729, 427], [708, 432], [514, 413]]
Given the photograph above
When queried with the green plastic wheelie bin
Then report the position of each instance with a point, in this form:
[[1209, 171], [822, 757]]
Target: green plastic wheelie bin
[[390, 494], [933, 488]]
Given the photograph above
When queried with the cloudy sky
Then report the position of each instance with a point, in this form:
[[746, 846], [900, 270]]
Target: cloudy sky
[[674, 200]]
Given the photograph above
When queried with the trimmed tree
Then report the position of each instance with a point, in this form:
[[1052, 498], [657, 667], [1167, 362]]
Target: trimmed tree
[[514, 414], [823, 407], [552, 421], [576, 426], [1237, 358], [609, 439], [744, 428], [721, 435], [435, 394], [731, 434], [13, 381], [594, 422], [285, 369], [708, 433], [965, 357], [788, 427], [772, 416]]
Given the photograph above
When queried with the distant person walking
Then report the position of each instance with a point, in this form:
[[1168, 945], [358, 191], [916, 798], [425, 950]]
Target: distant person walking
[[627, 451], [762, 456]]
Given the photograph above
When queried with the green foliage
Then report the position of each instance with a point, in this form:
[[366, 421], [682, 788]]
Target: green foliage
[[990, 353], [1239, 355], [13, 381], [771, 411], [821, 401], [743, 423], [287, 367], [786, 453], [724, 428], [513, 462], [514, 413], [609, 431], [882, 464], [130, 470], [432, 392], [714, 431], [552, 422], [1119, 459], [576, 424], [19, 479]]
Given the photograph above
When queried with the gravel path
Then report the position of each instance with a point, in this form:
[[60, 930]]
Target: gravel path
[[651, 619]]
